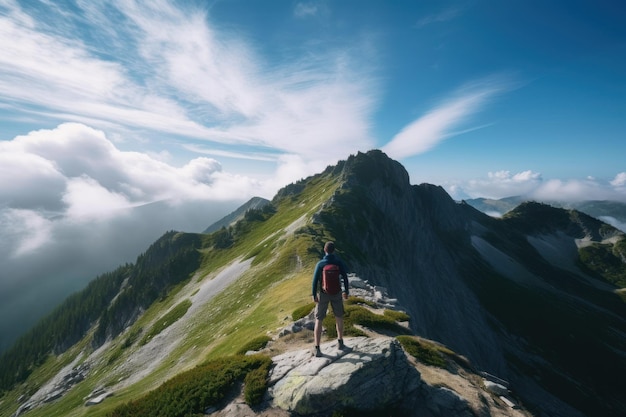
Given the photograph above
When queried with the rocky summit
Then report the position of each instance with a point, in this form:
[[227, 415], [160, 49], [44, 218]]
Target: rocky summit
[[372, 376], [375, 375], [461, 314]]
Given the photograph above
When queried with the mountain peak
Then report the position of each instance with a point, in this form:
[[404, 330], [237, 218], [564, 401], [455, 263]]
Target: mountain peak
[[533, 217], [508, 294], [374, 165]]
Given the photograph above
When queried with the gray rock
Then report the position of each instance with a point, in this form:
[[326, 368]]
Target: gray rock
[[375, 374], [445, 402], [495, 388]]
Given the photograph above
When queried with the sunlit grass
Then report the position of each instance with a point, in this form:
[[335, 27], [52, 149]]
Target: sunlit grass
[[358, 315], [167, 320], [425, 351], [256, 305]]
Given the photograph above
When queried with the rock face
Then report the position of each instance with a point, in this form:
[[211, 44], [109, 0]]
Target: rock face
[[376, 376], [373, 375]]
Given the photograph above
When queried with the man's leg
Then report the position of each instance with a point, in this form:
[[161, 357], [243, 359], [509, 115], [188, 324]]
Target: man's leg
[[320, 313], [318, 331], [339, 326]]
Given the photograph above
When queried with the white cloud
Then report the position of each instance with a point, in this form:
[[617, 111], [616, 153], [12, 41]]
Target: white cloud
[[73, 206], [201, 170], [251, 155], [498, 184], [78, 170], [614, 222], [305, 9], [23, 231], [532, 185], [437, 125], [186, 77], [87, 199], [576, 190], [443, 16], [619, 180], [521, 177]]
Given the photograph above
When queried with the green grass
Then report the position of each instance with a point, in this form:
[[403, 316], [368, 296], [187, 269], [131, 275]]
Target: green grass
[[359, 300], [606, 261], [303, 311], [255, 344], [257, 302], [358, 315], [191, 392], [397, 315], [425, 352], [167, 320]]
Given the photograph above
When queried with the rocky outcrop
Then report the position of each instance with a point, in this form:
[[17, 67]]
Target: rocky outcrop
[[374, 374], [65, 380]]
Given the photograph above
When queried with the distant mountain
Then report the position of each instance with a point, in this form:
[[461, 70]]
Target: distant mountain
[[495, 207], [535, 297], [612, 212], [229, 220]]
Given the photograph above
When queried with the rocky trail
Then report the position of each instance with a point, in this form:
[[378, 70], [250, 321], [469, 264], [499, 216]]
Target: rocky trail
[[374, 373]]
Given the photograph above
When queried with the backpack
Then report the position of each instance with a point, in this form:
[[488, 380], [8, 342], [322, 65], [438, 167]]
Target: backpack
[[331, 283]]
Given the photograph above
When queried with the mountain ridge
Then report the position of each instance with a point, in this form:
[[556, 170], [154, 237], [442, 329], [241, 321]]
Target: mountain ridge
[[612, 212], [446, 262]]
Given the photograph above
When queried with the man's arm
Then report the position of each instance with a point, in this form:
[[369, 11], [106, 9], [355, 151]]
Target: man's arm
[[344, 275], [316, 277]]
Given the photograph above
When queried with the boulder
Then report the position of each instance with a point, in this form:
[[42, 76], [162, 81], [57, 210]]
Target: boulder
[[374, 374]]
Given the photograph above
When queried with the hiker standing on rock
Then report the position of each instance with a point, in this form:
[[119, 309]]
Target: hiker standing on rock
[[326, 288]]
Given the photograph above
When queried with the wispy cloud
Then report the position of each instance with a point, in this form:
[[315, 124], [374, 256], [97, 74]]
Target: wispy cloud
[[443, 121], [168, 69], [250, 155], [443, 16], [306, 9]]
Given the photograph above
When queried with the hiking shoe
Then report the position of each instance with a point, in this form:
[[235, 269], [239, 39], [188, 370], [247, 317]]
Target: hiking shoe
[[341, 345], [318, 351]]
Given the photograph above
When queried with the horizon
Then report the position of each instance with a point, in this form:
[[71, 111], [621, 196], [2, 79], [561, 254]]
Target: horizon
[[121, 121]]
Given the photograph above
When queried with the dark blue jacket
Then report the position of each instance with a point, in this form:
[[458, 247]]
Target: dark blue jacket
[[329, 258]]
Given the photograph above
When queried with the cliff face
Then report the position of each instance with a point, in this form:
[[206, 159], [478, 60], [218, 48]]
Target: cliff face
[[499, 290], [531, 297], [409, 239]]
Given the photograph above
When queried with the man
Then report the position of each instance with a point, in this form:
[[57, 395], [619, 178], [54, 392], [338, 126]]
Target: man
[[322, 298]]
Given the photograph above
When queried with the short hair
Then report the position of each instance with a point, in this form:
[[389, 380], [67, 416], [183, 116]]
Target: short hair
[[329, 247]]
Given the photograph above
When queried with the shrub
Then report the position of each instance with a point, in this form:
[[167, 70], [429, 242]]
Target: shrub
[[427, 353], [302, 311], [193, 391], [359, 300], [606, 261], [255, 384], [397, 315], [355, 314], [257, 343]]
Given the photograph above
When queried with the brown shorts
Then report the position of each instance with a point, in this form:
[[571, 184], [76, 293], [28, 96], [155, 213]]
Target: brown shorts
[[336, 301]]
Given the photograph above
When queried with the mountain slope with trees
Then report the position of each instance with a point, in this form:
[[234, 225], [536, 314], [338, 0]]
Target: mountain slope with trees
[[522, 296]]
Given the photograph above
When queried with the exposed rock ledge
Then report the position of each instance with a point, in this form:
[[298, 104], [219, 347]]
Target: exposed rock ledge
[[375, 376]]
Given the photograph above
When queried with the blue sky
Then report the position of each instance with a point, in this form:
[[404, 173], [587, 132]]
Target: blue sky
[[107, 108]]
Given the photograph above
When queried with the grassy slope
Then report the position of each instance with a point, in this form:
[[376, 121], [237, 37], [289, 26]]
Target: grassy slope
[[257, 303]]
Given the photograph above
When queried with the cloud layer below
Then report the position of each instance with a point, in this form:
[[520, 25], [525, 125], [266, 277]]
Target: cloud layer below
[[75, 201], [74, 206]]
